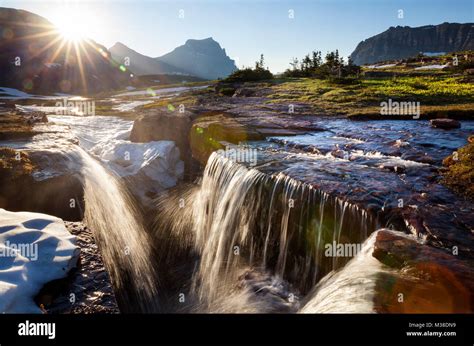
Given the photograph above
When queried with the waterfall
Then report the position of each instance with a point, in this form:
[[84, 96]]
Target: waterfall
[[120, 235], [242, 219], [350, 290]]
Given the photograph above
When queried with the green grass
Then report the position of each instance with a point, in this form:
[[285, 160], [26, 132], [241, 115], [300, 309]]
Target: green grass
[[368, 93]]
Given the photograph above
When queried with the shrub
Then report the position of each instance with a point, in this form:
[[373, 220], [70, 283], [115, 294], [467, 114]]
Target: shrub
[[249, 75]]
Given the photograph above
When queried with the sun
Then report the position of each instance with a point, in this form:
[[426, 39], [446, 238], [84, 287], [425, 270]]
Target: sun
[[74, 24]]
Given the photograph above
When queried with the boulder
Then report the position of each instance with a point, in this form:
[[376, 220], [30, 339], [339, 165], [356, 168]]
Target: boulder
[[163, 124], [432, 280], [43, 182], [445, 123]]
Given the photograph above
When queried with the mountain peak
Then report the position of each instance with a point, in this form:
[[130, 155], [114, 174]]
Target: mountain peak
[[206, 43], [403, 42], [204, 58], [119, 44], [203, 40]]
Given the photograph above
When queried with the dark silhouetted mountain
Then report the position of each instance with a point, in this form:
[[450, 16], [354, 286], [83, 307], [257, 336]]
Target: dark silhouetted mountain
[[201, 58], [403, 42], [35, 57]]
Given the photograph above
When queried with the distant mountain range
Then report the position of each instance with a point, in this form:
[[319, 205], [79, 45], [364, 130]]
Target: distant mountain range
[[403, 42], [35, 58], [201, 58]]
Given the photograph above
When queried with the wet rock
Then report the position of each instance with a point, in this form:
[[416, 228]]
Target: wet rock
[[428, 279], [393, 168], [278, 295], [445, 123], [42, 182], [210, 131], [32, 117], [88, 289], [278, 132], [163, 124], [418, 157]]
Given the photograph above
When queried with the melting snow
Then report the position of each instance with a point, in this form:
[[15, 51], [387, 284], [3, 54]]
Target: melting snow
[[34, 250], [382, 66], [15, 94], [431, 67], [159, 91], [127, 107]]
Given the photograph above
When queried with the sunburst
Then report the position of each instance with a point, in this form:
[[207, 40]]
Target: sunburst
[[71, 41]]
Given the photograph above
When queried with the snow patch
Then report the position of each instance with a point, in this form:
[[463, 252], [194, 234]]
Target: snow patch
[[381, 66], [15, 94], [158, 160], [160, 91], [432, 67], [127, 107], [49, 109], [21, 275]]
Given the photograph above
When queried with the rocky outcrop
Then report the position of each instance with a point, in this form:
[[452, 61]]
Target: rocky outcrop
[[20, 189], [425, 280], [404, 42], [161, 125]]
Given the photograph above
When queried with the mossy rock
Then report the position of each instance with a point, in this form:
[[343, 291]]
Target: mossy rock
[[459, 173]]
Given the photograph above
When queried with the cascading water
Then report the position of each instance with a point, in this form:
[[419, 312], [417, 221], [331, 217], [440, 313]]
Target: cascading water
[[244, 221], [356, 283], [122, 239], [111, 214]]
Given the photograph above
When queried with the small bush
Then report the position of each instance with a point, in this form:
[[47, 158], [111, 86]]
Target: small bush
[[344, 80], [227, 91], [249, 75]]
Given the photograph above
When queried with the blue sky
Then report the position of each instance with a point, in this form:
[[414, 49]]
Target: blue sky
[[247, 28]]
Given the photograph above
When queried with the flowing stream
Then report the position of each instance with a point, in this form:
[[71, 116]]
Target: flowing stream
[[248, 239], [259, 234]]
